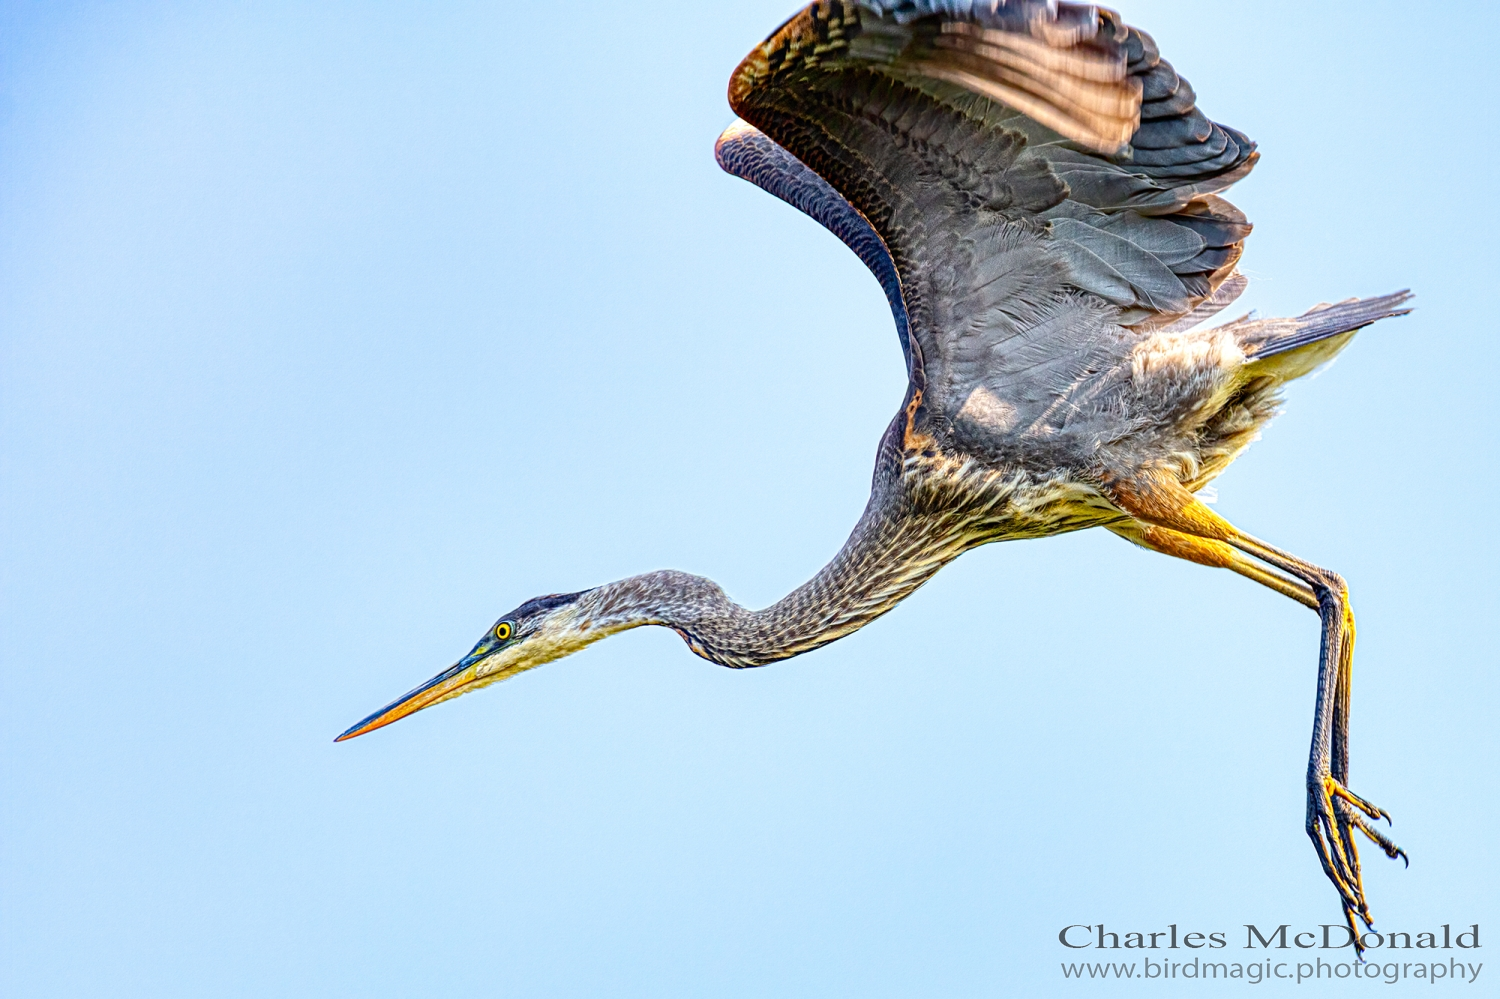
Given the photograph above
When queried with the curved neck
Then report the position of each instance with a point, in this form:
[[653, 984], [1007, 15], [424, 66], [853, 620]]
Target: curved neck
[[886, 557]]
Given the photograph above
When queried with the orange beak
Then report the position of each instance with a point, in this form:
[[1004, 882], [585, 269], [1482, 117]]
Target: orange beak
[[449, 683]]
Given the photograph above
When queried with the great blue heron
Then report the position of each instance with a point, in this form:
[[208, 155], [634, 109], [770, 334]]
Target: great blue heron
[[1037, 193]]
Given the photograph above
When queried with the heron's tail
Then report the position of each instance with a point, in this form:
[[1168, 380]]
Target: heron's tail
[[1297, 346]]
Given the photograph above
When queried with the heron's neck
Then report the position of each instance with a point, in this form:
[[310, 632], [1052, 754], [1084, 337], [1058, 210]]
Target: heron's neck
[[884, 560]]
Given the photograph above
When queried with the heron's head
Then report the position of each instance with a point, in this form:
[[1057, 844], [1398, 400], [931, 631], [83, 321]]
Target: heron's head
[[536, 632]]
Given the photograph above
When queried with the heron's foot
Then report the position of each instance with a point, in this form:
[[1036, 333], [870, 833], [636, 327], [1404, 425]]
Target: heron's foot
[[1333, 814]]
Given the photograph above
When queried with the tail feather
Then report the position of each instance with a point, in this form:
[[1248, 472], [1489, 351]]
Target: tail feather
[[1323, 321]]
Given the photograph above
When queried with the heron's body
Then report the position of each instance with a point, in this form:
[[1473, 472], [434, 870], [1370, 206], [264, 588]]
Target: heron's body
[[1038, 196]]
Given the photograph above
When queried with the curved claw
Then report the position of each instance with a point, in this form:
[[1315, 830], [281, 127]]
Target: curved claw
[[1381, 840], [1334, 789], [1359, 948], [1333, 813]]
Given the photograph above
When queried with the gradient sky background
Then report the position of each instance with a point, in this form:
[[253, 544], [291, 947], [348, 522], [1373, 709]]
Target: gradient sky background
[[330, 332]]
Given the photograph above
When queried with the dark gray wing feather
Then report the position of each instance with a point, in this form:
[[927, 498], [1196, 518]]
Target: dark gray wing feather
[[1043, 182], [747, 152]]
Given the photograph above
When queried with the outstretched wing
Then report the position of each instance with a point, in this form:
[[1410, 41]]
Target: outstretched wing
[[747, 152], [1038, 183]]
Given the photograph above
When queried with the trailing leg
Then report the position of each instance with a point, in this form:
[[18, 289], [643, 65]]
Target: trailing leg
[[1213, 553], [1165, 512]]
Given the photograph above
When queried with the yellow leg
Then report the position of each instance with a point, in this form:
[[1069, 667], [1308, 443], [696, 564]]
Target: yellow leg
[[1170, 519], [1214, 553]]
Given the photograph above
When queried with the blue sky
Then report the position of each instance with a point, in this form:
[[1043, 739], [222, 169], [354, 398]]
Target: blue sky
[[330, 332]]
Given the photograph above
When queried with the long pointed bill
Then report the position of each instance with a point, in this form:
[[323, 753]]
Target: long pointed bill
[[449, 683]]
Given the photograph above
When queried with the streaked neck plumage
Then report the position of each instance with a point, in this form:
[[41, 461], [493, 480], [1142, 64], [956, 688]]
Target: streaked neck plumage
[[885, 559]]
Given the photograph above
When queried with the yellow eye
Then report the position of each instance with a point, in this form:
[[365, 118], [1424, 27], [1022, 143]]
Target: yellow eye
[[502, 631]]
